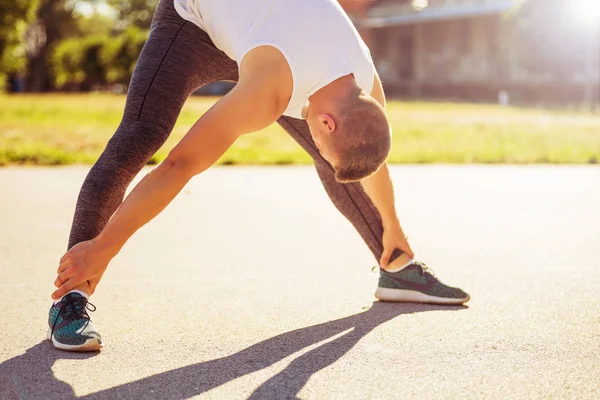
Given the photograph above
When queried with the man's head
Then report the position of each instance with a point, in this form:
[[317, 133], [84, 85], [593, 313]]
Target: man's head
[[354, 134]]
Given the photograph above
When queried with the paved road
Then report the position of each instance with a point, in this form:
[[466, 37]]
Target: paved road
[[251, 285]]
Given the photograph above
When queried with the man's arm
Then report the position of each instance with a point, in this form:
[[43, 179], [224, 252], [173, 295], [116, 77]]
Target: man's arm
[[235, 114], [379, 185], [380, 190]]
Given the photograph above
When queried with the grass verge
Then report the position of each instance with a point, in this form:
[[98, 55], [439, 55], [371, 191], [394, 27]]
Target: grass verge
[[61, 129]]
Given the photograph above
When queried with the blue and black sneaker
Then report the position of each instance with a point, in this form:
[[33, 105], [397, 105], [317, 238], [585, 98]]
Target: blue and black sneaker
[[70, 327], [416, 283]]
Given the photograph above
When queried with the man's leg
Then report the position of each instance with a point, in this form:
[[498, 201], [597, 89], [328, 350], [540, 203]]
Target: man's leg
[[177, 59], [349, 198], [414, 283]]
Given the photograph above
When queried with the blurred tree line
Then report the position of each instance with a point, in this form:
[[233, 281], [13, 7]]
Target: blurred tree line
[[81, 44], [70, 44]]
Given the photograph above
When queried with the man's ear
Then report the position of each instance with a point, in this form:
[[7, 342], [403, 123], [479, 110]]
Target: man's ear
[[327, 121]]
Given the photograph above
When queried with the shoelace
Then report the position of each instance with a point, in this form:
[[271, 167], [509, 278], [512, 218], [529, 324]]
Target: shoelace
[[424, 268], [74, 308]]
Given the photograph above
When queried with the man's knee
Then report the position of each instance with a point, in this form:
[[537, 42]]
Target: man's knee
[[134, 143]]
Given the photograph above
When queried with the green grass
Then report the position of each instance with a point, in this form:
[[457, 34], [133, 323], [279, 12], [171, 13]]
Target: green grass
[[65, 129]]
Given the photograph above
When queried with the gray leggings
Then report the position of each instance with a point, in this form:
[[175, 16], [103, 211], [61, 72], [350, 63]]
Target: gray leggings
[[177, 59]]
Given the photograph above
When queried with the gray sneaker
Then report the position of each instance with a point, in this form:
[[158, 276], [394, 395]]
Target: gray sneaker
[[417, 284], [70, 327]]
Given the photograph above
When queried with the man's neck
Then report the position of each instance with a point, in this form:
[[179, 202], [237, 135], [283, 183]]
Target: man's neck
[[337, 89]]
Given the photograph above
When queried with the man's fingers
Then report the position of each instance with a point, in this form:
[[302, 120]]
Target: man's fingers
[[64, 289], [65, 257], [64, 276], [65, 262], [405, 247], [408, 251], [385, 258], [63, 266]]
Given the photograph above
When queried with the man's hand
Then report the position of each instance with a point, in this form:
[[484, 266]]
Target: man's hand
[[85, 261], [393, 238], [232, 116]]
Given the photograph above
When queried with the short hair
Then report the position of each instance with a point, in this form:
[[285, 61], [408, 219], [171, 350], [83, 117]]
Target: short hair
[[362, 139]]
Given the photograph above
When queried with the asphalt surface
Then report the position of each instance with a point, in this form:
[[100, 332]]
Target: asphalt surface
[[251, 285]]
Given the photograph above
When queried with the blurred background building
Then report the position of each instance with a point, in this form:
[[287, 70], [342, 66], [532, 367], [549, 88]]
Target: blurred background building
[[528, 51], [522, 51]]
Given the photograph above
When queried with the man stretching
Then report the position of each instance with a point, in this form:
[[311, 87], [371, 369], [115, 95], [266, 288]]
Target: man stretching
[[298, 62]]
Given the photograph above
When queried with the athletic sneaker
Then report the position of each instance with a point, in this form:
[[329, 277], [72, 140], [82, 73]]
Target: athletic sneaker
[[416, 283], [70, 327]]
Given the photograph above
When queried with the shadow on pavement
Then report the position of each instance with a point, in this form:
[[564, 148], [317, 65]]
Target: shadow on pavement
[[30, 375]]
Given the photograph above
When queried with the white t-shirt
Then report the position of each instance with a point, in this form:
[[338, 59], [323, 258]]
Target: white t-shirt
[[316, 37]]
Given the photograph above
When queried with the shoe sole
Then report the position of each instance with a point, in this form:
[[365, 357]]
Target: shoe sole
[[412, 296], [89, 345]]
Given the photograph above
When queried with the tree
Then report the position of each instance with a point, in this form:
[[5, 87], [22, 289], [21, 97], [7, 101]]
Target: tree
[[82, 63], [58, 20], [14, 18], [55, 20], [134, 12], [76, 62], [119, 55]]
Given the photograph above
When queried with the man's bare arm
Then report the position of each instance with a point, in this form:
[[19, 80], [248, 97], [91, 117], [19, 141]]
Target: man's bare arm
[[379, 185], [380, 190], [235, 114]]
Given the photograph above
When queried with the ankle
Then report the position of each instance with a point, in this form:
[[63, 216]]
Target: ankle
[[399, 263], [84, 287]]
